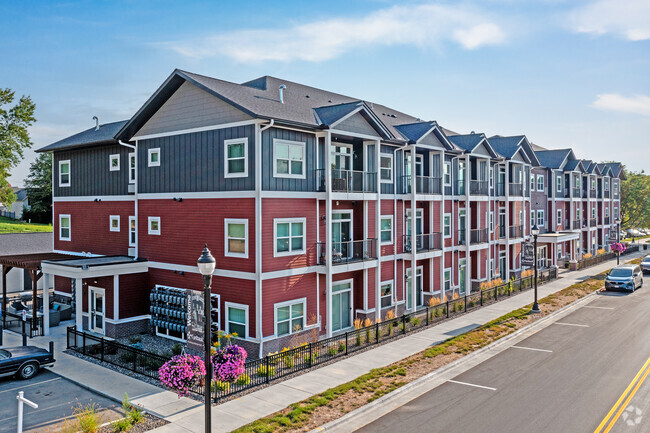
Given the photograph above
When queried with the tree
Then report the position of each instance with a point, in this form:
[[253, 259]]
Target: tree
[[14, 137], [39, 190], [635, 200]]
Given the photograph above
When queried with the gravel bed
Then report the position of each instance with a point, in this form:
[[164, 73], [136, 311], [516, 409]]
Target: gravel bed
[[151, 343], [150, 422]]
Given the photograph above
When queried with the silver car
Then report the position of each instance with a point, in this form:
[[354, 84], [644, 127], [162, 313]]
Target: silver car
[[624, 277], [645, 264]]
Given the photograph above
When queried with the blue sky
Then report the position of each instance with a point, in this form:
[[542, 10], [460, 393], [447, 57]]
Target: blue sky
[[565, 73]]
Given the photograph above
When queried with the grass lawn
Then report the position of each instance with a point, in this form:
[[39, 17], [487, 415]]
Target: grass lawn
[[7, 225]]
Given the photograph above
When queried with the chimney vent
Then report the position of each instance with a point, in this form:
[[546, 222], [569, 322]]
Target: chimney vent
[[281, 89], [96, 119]]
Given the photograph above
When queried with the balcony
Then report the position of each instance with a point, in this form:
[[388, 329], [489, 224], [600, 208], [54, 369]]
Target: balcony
[[592, 222], [606, 193], [502, 232], [462, 239], [606, 220], [423, 185], [478, 236], [516, 189], [516, 231], [576, 192], [500, 190], [567, 192], [576, 225], [566, 225], [460, 187], [585, 194], [592, 193], [348, 181], [428, 242], [478, 187], [347, 252]]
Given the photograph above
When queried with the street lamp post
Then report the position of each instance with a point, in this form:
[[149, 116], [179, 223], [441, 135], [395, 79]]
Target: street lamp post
[[206, 265], [535, 232], [618, 239]]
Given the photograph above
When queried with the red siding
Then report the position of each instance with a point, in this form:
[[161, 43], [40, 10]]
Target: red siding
[[288, 289]]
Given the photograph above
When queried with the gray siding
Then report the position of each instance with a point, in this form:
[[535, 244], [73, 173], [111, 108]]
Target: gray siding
[[387, 188], [194, 162], [431, 140], [90, 174], [356, 123], [191, 107], [270, 183]]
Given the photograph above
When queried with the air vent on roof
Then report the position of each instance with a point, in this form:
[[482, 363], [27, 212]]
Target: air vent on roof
[[329, 100], [96, 119], [472, 132], [393, 116], [281, 90], [306, 96]]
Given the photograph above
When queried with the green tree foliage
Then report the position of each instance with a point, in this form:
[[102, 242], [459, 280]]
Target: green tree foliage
[[635, 200], [39, 190], [14, 138]]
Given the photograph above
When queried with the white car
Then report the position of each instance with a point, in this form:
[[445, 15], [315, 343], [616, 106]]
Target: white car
[[645, 264]]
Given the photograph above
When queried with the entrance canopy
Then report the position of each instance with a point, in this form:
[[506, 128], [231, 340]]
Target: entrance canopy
[[554, 238], [90, 267]]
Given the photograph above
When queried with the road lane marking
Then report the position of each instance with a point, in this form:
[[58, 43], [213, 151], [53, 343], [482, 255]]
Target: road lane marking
[[600, 308], [31, 384], [624, 399], [532, 348], [571, 324], [472, 384]]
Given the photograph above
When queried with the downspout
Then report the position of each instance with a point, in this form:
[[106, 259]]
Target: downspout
[[258, 231], [135, 194], [403, 148]]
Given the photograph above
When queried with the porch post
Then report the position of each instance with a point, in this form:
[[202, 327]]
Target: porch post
[[414, 218], [5, 271], [78, 303], [328, 233], [378, 231], [116, 297], [32, 274], [46, 304]]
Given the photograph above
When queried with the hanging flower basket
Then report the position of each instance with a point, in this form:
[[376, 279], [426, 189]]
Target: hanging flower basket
[[618, 247], [181, 373], [229, 363]]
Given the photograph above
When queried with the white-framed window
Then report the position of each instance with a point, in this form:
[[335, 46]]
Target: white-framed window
[[114, 223], [386, 229], [559, 217], [235, 158], [154, 225], [540, 183], [290, 316], [578, 213], [386, 168], [65, 228], [132, 167], [491, 221], [559, 251], [532, 182], [607, 212], [491, 177], [447, 173], [386, 294], [289, 236], [577, 182], [132, 231], [532, 218], [289, 159], [446, 225], [615, 187], [593, 183], [236, 237], [154, 157], [606, 184], [114, 162], [615, 213], [559, 183], [64, 173], [237, 319], [593, 212], [447, 279], [540, 219]]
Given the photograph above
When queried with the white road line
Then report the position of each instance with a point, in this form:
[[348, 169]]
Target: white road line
[[600, 308], [571, 324], [31, 384], [532, 348], [472, 384]]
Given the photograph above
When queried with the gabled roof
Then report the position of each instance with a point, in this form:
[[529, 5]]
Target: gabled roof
[[413, 132], [617, 169], [333, 113], [21, 194], [553, 159], [104, 135], [469, 142], [572, 165], [509, 146]]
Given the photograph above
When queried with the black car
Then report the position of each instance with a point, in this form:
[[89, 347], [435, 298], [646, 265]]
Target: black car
[[24, 361]]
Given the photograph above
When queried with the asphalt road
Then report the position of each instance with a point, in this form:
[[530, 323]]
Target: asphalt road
[[56, 397], [565, 378]]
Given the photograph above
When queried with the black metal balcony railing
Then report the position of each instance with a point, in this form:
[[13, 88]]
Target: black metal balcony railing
[[592, 193], [576, 192], [516, 189], [462, 239], [348, 252], [502, 232], [478, 236], [516, 231], [606, 193], [592, 222], [423, 242], [576, 225], [606, 220], [585, 194], [478, 187], [566, 225], [567, 192], [348, 180], [500, 190], [423, 185]]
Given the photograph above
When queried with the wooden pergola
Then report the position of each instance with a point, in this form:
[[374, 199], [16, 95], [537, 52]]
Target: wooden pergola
[[31, 263]]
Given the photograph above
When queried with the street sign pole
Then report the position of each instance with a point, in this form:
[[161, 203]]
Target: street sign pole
[[22, 400]]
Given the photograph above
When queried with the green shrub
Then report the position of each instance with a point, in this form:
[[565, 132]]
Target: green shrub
[[416, 321], [177, 349], [244, 379], [88, 418], [120, 425], [220, 386], [135, 339], [288, 361], [264, 372], [332, 351], [127, 356], [341, 347]]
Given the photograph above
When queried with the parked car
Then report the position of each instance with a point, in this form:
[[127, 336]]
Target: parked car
[[633, 233], [645, 264], [625, 277], [24, 361]]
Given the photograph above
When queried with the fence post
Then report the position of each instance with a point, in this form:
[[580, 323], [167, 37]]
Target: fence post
[[1, 332], [377, 333], [83, 342], [466, 303], [427, 315], [311, 354], [447, 309], [403, 323], [481, 298], [266, 364], [496, 293], [346, 342], [101, 346]]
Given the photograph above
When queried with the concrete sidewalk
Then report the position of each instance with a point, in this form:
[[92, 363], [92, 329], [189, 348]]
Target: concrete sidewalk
[[186, 415]]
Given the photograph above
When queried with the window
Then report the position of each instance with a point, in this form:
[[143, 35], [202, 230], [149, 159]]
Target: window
[[559, 217], [559, 251], [64, 173], [447, 280], [593, 212], [447, 173], [154, 225], [386, 294], [386, 168], [64, 228], [491, 269], [491, 177], [615, 187], [386, 230], [577, 213], [235, 157], [615, 213], [236, 239], [237, 319], [593, 183], [491, 221], [532, 182], [447, 225], [532, 218], [132, 231], [577, 182], [559, 183], [114, 223], [131, 167], [289, 317], [154, 157], [607, 212], [540, 182], [288, 159], [606, 184], [114, 162], [540, 219], [289, 234]]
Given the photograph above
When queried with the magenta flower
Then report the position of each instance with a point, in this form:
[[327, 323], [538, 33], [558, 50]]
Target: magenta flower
[[229, 363], [618, 247], [181, 373]]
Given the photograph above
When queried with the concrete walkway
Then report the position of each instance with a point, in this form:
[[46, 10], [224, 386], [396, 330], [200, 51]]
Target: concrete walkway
[[186, 415]]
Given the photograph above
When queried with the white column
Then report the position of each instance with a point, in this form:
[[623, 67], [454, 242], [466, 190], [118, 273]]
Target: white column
[[79, 301], [507, 222], [442, 221], [413, 228], [46, 304], [116, 297], [377, 230], [328, 233]]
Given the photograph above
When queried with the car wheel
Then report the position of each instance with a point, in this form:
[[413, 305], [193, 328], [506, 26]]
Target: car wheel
[[27, 371]]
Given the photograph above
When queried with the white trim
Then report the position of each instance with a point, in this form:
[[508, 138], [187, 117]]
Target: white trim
[[133, 244], [197, 195], [290, 272], [61, 184], [445, 215], [289, 304], [149, 229], [111, 158], [226, 143], [227, 253], [130, 319], [244, 307], [199, 129], [112, 218], [194, 270], [290, 143], [451, 282], [447, 164], [355, 134], [291, 251], [392, 168], [132, 156], [91, 326], [69, 237], [392, 294], [153, 150], [83, 198], [559, 217], [540, 176], [392, 221]]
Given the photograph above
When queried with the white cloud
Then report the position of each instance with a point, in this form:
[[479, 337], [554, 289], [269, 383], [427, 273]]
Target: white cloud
[[637, 104], [629, 19], [423, 25]]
